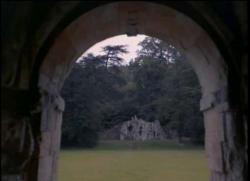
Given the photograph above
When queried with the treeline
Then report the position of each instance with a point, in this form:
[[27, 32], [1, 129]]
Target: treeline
[[159, 85]]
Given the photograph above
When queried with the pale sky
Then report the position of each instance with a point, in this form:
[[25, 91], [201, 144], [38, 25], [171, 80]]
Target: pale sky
[[131, 42]]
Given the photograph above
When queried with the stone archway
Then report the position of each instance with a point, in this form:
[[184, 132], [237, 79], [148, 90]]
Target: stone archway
[[166, 24]]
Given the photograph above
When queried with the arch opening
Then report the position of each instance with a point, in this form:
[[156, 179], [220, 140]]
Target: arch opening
[[131, 137]]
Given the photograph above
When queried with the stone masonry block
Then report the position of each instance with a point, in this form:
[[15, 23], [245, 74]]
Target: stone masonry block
[[214, 139]]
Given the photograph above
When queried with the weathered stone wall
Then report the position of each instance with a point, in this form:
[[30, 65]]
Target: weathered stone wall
[[27, 26], [18, 140], [138, 129], [17, 146]]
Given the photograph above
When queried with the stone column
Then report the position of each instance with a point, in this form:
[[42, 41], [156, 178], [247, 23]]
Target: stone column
[[52, 109], [223, 151]]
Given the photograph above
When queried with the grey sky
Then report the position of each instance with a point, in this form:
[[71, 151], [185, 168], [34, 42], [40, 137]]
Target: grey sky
[[131, 42]]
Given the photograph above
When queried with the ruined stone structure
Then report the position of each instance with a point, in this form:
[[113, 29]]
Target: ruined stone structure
[[41, 40], [138, 129]]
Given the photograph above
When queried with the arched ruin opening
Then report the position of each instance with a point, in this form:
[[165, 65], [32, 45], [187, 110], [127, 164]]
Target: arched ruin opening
[[139, 136], [154, 20]]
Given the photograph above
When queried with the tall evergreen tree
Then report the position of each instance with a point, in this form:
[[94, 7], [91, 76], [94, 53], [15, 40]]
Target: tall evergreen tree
[[112, 54]]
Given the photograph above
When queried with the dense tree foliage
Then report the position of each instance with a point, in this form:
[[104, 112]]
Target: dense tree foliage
[[101, 93], [111, 57]]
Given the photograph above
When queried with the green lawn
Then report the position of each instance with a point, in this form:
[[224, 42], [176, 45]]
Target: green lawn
[[146, 162]]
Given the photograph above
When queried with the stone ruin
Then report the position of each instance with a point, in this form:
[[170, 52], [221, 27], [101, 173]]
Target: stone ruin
[[138, 129]]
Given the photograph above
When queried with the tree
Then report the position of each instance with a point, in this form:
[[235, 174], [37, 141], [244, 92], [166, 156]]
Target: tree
[[158, 50], [150, 87], [82, 93], [89, 92], [171, 90], [112, 53]]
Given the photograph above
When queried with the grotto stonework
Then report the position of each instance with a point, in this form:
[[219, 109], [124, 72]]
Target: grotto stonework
[[138, 129]]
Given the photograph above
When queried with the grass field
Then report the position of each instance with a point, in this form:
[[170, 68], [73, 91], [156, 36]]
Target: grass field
[[126, 161]]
